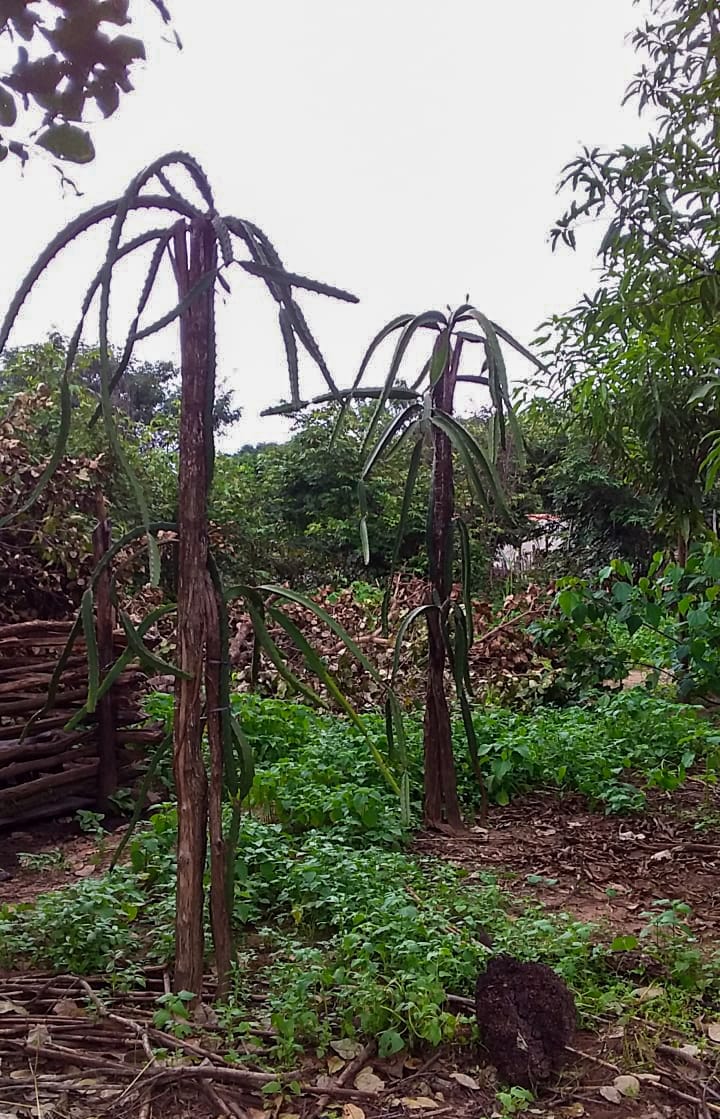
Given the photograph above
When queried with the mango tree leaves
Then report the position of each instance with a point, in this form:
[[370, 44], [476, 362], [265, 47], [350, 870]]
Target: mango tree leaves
[[87, 63], [66, 141]]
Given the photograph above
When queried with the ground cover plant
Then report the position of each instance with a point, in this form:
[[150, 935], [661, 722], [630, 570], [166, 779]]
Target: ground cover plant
[[346, 931]]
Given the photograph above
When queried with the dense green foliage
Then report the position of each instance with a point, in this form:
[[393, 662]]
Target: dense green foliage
[[670, 614], [289, 511], [633, 356], [350, 933]]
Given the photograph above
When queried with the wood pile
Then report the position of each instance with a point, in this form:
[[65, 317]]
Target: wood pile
[[45, 770], [502, 653]]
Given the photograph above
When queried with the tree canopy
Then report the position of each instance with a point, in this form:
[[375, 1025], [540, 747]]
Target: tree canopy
[[46, 93], [634, 353]]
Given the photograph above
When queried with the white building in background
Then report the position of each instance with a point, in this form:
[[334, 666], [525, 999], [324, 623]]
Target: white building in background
[[550, 537]]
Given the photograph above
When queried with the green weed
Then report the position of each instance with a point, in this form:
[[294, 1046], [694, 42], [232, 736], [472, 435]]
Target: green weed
[[346, 932]]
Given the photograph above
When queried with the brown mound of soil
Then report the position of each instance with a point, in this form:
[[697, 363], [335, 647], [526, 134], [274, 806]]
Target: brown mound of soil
[[526, 1016]]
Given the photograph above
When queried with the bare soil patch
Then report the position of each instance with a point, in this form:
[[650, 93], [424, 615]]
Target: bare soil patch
[[607, 869]]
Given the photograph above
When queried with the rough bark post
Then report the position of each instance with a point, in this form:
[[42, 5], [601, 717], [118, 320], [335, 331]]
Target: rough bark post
[[198, 372], [441, 807], [107, 778], [220, 916]]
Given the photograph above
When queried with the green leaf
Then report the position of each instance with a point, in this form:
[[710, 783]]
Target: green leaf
[[567, 601], [409, 620], [466, 576], [364, 538], [317, 665], [337, 629], [474, 460], [255, 608], [408, 492], [246, 759], [389, 1042], [67, 141], [498, 382], [147, 659], [387, 330], [428, 318], [626, 943], [8, 108], [113, 674], [408, 414], [439, 359], [148, 777], [621, 592]]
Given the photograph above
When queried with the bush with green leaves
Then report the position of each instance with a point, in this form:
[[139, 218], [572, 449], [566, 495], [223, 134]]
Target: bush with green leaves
[[611, 752], [671, 617], [315, 772]]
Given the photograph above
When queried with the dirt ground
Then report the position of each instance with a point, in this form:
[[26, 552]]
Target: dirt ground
[[606, 869]]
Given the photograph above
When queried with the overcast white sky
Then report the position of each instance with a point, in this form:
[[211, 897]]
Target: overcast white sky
[[407, 150]]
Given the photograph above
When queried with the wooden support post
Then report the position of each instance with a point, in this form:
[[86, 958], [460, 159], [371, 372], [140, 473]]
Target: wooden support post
[[198, 382], [107, 777]]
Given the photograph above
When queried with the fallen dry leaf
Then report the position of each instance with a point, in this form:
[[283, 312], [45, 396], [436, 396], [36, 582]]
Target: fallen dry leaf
[[627, 1085], [418, 1103], [352, 1111], [204, 1015], [610, 1093], [7, 1007], [68, 1008], [334, 1064], [38, 1035], [346, 1048], [713, 1032], [367, 1081], [646, 994], [465, 1080]]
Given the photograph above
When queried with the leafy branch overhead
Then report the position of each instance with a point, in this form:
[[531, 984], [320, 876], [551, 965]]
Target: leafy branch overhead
[[632, 355], [46, 93]]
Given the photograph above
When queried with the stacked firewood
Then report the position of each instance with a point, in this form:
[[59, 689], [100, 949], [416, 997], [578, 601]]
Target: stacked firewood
[[46, 770]]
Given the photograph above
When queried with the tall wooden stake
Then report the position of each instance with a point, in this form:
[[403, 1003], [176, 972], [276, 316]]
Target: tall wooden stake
[[107, 779], [441, 807], [198, 382]]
